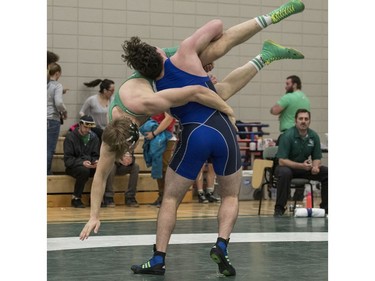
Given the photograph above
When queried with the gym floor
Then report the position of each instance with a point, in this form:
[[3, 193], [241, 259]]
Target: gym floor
[[261, 247]]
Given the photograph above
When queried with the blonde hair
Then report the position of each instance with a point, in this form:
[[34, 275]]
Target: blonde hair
[[120, 135]]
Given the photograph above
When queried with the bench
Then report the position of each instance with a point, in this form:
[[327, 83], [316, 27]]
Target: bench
[[60, 186]]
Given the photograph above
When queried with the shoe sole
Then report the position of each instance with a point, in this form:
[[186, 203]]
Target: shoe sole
[[139, 270], [224, 267]]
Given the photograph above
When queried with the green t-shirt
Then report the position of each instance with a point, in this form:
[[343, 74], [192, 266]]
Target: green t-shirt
[[293, 147], [290, 103]]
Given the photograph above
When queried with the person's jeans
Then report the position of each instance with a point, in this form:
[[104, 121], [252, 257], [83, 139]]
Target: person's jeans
[[118, 169], [53, 131]]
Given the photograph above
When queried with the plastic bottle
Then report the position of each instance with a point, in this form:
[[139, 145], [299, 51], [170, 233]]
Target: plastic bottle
[[308, 200], [253, 144], [260, 143]]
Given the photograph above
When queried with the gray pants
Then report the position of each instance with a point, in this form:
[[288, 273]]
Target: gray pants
[[118, 169]]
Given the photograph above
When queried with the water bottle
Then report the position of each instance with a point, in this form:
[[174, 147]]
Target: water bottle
[[308, 200]]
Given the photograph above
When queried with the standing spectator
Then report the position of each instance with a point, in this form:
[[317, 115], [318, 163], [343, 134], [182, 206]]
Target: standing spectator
[[288, 104], [299, 155], [97, 105], [208, 196], [55, 110], [126, 165], [156, 141], [51, 58], [81, 154]]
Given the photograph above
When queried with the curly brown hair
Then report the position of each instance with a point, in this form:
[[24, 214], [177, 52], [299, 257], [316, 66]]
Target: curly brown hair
[[142, 57], [121, 136]]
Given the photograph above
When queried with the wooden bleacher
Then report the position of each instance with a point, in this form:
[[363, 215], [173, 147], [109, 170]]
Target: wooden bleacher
[[60, 186]]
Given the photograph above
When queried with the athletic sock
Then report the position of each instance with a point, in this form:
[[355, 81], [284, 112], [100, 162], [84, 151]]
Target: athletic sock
[[263, 21], [222, 244], [257, 62], [158, 258], [210, 190]]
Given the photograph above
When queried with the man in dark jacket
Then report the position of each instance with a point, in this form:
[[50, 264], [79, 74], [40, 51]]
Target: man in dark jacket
[[81, 154]]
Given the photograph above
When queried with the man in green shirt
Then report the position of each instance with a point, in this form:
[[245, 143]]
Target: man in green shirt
[[288, 104], [299, 155]]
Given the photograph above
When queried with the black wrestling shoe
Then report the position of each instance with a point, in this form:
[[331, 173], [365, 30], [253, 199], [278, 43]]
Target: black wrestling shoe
[[220, 256], [155, 265]]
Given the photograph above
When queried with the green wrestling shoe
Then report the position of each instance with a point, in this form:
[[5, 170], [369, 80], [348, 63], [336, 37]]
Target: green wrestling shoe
[[272, 51], [286, 10]]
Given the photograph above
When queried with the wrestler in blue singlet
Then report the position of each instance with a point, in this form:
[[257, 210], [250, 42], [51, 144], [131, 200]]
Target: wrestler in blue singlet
[[206, 132]]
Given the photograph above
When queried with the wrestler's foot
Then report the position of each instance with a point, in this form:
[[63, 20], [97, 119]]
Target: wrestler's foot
[[286, 10], [272, 51], [219, 254], [155, 265]]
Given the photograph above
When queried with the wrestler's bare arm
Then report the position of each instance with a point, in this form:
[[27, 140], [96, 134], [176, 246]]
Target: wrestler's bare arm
[[163, 100], [104, 167]]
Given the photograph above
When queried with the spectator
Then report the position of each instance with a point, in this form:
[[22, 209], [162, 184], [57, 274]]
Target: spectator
[[126, 165], [157, 139], [299, 155], [55, 110], [208, 196], [51, 58], [97, 105], [288, 104], [81, 154]]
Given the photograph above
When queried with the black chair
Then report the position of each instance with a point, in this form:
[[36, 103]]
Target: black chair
[[270, 180]]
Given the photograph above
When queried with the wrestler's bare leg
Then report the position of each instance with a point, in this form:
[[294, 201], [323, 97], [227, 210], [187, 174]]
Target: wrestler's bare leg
[[239, 77], [235, 80], [230, 38], [175, 189], [244, 31], [228, 190]]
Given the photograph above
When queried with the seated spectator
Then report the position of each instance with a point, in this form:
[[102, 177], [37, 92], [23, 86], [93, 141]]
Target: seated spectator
[[126, 165], [81, 154], [299, 155]]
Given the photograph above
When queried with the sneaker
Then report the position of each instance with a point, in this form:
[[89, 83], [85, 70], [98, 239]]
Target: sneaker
[[155, 265], [131, 202], [279, 212], [212, 198], [286, 10], [272, 51], [220, 256], [77, 203], [108, 202], [202, 198], [157, 202]]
